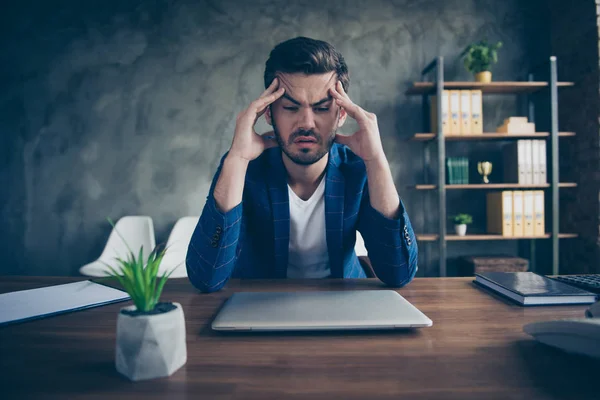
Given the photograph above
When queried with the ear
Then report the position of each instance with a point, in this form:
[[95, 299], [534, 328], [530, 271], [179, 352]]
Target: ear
[[342, 117], [268, 116]]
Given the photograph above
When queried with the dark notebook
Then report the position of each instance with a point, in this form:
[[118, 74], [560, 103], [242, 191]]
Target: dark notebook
[[528, 288]]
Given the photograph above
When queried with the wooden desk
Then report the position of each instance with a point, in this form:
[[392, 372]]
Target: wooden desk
[[476, 349]]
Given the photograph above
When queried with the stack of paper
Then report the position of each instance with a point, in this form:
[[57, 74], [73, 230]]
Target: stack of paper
[[516, 125]]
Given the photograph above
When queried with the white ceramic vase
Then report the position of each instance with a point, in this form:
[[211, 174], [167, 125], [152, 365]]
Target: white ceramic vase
[[461, 229], [150, 346]]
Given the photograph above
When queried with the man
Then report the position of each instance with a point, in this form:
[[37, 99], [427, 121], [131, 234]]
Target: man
[[289, 205]]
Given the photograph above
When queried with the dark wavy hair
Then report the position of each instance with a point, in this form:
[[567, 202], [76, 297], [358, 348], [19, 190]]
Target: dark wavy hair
[[310, 56]]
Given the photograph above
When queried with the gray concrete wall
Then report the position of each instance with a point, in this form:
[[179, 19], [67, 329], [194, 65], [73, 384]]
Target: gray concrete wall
[[575, 27], [125, 107]]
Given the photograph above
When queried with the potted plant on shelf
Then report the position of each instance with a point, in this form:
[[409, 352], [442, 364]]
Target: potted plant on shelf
[[150, 334], [460, 223], [478, 59]]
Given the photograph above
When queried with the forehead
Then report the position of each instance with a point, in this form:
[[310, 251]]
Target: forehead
[[307, 88]]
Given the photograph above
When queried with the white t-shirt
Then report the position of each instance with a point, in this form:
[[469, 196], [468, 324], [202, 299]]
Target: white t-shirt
[[308, 256]]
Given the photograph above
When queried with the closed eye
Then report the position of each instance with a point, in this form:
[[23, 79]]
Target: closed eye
[[319, 109]]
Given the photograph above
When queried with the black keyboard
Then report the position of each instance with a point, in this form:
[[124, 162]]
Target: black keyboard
[[589, 282]]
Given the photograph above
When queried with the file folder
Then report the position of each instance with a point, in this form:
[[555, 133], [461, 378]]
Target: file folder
[[25, 305]]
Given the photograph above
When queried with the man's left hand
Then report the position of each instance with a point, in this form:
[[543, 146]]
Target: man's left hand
[[365, 142]]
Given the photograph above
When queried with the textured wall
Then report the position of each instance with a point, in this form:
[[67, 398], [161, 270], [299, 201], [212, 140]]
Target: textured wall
[[125, 107], [576, 27]]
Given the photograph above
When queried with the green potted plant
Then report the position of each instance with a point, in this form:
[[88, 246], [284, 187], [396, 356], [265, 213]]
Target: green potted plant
[[150, 334], [478, 59], [460, 223]]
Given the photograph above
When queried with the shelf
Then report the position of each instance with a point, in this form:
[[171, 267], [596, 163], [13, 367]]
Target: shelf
[[421, 88], [437, 143], [495, 186], [427, 237], [434, 237], [423, 137]]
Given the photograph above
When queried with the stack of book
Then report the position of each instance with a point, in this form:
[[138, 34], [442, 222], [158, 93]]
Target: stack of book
[[461, 112], [516, 213], [457, 170]]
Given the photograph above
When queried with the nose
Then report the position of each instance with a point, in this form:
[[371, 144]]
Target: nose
[[307, 119]]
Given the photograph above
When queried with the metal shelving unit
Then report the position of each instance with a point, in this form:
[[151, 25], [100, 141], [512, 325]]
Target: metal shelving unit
[[426, 89]]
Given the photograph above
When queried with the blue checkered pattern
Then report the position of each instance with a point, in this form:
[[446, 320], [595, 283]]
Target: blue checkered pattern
[[252, 239]]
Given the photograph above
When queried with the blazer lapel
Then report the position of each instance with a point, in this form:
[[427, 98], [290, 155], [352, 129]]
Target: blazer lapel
[[334, 214], [278, 193]]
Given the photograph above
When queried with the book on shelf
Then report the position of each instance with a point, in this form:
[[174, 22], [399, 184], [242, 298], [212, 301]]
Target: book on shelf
[[465, 112], [499, 212], [461, 112], [539, 146], [529, 288], [516, 213], [476, 112], [455, 112], [538, 213], [524, 162], [457, 170], [528, 213], [528, 162], [444, 112]]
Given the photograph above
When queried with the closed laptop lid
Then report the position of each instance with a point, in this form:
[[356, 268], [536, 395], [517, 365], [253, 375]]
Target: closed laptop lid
[[323, 310]]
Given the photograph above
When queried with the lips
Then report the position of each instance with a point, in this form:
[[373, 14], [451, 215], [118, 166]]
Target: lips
[[305, 140]]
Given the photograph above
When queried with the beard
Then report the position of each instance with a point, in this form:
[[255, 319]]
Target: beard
[[305, 156]]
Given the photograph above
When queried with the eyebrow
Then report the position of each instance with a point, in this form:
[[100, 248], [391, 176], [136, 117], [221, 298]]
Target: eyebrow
[[318, 103]]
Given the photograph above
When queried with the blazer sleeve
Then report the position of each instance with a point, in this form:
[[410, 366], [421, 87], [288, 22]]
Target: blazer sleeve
[[214, 246], [391, 243]]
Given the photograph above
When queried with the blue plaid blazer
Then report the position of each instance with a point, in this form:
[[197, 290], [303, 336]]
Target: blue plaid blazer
[[252, 239]]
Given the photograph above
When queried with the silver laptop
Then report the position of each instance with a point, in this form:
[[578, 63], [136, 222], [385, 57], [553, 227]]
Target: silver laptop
[[333, 310]]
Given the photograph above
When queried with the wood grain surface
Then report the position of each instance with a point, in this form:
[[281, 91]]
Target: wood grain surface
[[476, 349]]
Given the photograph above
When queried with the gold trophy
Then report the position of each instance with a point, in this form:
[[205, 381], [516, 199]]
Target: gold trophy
[[484, 168]]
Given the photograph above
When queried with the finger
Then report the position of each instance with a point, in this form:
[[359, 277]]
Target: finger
[[342, 139], [342, 100], [340, 89], [260, 112], [271, 87], [261, 104], [352, 109]]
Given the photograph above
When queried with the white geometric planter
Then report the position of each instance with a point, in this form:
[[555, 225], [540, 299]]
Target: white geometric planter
[[150, 346], [460, 229]]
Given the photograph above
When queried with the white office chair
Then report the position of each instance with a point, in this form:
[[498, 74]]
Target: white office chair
[[137, 231], [363, 256], [359, 246], [177, 246]]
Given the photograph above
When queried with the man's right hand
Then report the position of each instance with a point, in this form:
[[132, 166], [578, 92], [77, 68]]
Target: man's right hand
[[247, 144]]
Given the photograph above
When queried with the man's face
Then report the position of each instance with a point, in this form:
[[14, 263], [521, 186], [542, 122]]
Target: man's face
[[306, 118]]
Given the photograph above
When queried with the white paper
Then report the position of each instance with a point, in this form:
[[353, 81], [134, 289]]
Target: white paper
[[35, 303]]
